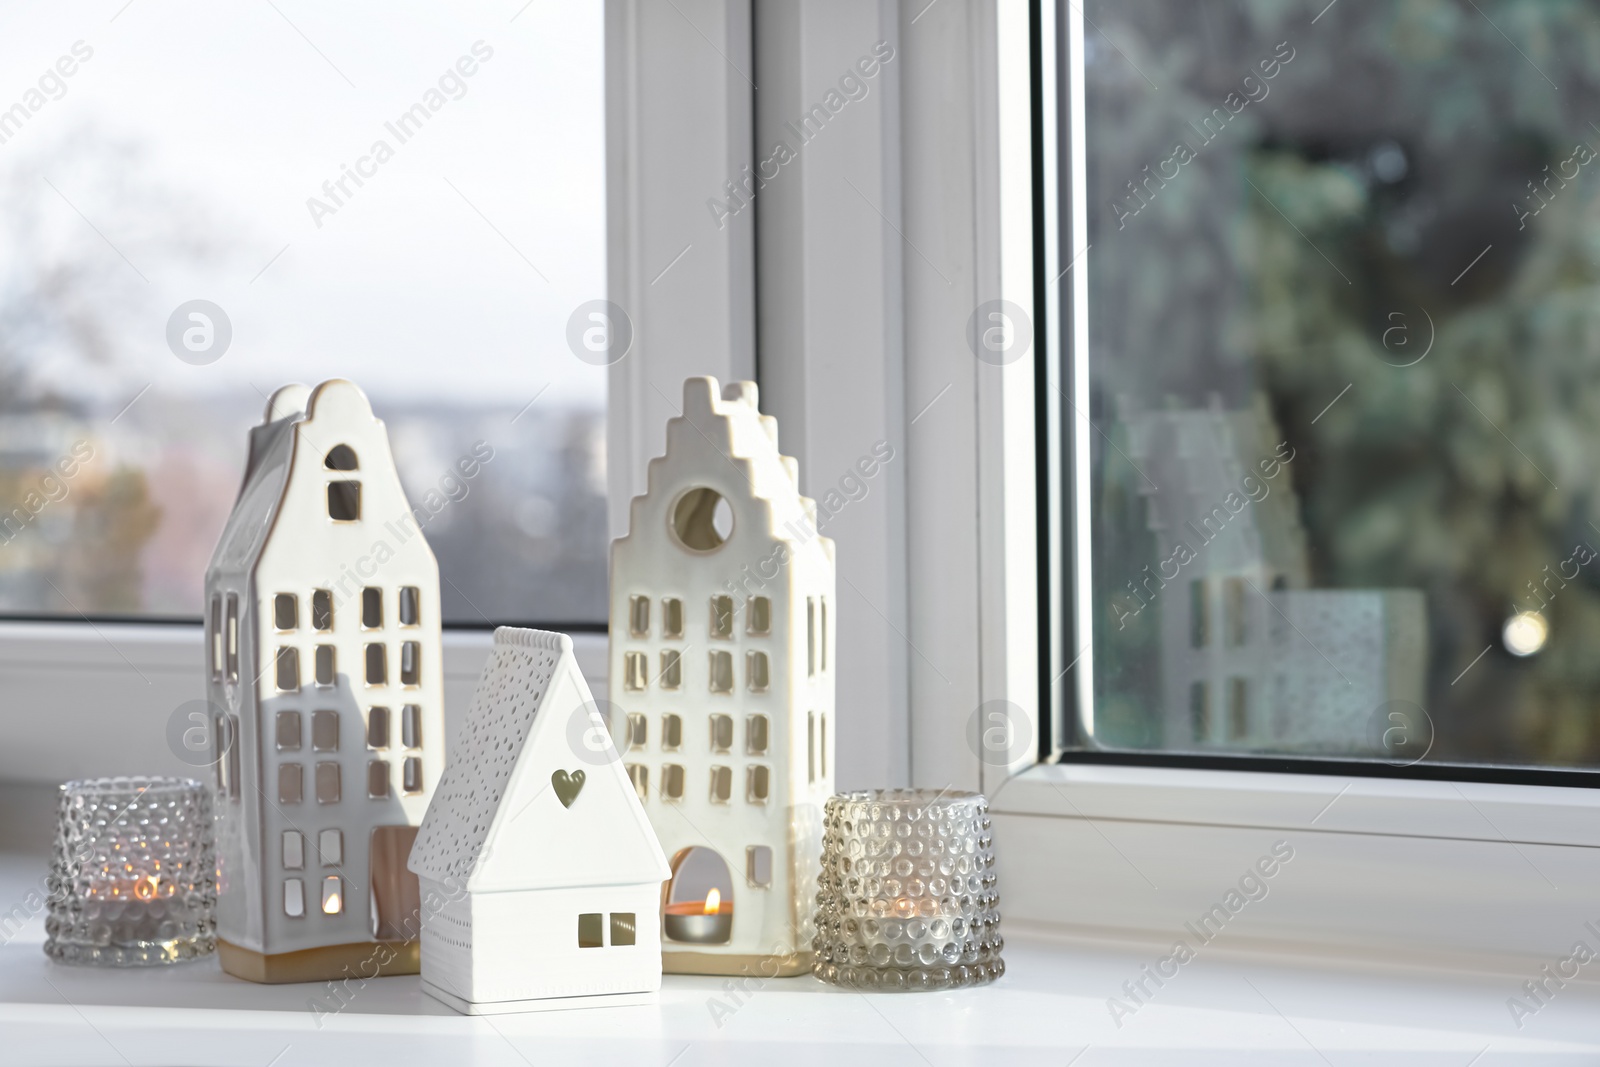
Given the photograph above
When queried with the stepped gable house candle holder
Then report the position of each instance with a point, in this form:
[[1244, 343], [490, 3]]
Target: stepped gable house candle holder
[[721, 664], [323, 653], [540, 873], [908, 898], [133, 878]]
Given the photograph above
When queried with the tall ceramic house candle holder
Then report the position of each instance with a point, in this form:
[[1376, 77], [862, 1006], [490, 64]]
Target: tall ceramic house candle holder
[[323, 660], [721, 671], [540, 873]]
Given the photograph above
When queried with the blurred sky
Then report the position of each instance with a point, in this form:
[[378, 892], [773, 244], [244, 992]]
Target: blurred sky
[[234, 114]]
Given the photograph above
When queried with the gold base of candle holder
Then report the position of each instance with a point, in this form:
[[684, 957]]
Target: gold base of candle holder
[[363, 959], [742, 965]]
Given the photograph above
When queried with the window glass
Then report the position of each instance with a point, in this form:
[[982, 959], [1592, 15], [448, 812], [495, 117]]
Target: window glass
[[1342, 378], [200, 202]]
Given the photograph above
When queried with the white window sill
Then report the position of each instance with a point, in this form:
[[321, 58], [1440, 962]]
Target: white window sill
[[1479, 876], [1051, 1007]]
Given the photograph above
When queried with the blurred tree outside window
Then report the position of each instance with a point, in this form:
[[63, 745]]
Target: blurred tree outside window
[[195, 152], [1345, 349]]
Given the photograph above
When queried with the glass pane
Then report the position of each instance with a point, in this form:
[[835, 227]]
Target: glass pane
[[393, 233], [1342, 380]]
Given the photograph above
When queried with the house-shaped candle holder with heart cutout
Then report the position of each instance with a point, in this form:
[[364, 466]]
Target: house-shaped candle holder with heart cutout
[[540, 874]]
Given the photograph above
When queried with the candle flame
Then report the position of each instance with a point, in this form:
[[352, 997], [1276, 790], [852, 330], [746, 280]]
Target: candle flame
[[330, 904], [146, 888], [713, 901]]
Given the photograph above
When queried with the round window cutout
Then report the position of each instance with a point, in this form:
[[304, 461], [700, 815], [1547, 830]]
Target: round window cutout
[[702, 519]]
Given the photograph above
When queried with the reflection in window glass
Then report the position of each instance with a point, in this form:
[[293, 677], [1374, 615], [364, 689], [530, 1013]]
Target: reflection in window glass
[[204, 152], [1342, 360]]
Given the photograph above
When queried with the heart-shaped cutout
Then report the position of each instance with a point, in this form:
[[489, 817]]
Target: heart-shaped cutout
[[567, 786]]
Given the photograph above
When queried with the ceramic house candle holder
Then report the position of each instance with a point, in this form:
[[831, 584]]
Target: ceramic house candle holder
[[540, 873], [721, 668], [323, 656]]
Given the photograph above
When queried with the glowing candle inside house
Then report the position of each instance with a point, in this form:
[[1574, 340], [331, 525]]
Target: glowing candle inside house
[[704, 922], [332, 899]]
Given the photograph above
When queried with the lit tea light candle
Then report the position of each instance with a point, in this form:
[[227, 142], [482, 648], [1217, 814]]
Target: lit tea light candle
[[907, 897], [704, 922], [332, 897], [126, 890]]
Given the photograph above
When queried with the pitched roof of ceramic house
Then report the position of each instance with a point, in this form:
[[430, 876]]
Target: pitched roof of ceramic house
[[270, 460], [266, 474], [726, 427], [497, 820]]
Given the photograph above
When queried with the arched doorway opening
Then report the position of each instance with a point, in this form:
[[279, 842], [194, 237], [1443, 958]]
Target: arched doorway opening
[[699, 907]]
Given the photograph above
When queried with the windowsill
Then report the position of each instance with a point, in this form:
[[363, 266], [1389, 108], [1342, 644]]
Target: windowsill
[[1049, 1008], [1477, 876]]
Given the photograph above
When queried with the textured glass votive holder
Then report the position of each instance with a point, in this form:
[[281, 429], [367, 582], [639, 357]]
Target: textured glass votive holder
[[907, 899], [133, 879]]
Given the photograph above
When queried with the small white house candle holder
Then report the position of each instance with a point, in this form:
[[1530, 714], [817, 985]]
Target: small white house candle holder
[[540, 873], [721, 661], [323, 655]]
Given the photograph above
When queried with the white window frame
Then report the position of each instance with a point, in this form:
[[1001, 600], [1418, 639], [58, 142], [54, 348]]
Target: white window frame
[[860, 315], [1398, 867]]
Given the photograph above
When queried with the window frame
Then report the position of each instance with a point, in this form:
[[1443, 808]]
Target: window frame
[[1462, 852], [954, 142]]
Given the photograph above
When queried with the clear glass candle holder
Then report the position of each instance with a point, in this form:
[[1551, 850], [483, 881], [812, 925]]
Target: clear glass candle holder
[[907, 898], [133, 880]]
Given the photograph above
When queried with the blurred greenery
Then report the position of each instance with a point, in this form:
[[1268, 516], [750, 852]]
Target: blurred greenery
[[1322, 239]]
